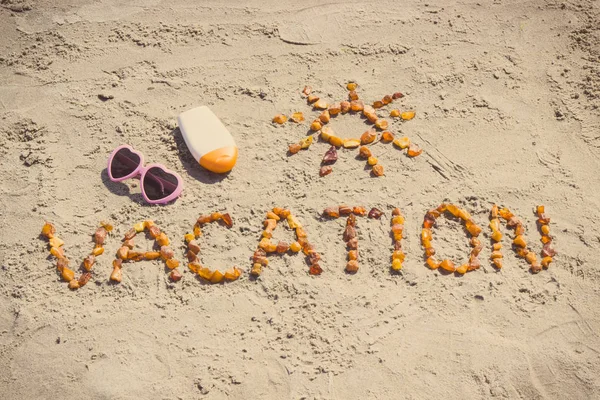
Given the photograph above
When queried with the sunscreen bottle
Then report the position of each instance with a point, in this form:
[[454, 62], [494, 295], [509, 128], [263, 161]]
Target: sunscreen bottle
[[209, 141]]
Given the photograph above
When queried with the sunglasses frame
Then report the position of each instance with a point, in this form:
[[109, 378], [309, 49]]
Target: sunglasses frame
[[141, 171]]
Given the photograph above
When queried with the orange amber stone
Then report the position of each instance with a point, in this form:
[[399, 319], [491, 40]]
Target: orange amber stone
[[505, 213], [297, 117], [88, 262], [364, 152], [353, 95], [345, 210], [56, 242], [426, 235], [497, 263], [494, 211], [414, 150], [336, 141], [325, 117], [387, 136], [122, 252], [395, 113], [387, 99], [398, 255], [520, 241], [166, 252], [282, 247], [293, 222], [217, 277], [495, 224], [464, 215], [279, 119], [205, 273], [473, 229], [153, 231], [546, 261], [353, 255], [335, 109], [316, 125], [371, 116], [357, 105], [531, 257], [294, 148], [256, 269], [368, 137], [359, 210], [74, 284], [377, 104], [496, 236], [333, 212], [462, 269], [67, 274], [352, 266], [447, 265], [306, 91], [432, 263], [402, 142], [162, 239], [546, 239], [204, 219], [306, 142], [519, 229], [378, 170], [351, 143], [172, 263], [321, 104], [396, 265], [325, 170], [345, 106], [151, 255], [351, 86], [496, 254], [232, 274], [48, 230], [407, 115], [116, 275], [496, 246], [381, 124], [57, 252], [545, 229], [372, 160], [315, 269], [540, 209]]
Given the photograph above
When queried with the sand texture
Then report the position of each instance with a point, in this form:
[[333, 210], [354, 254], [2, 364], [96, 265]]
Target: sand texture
[[507, 95]]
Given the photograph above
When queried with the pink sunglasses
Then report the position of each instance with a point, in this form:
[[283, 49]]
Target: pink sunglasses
[[159, 185]]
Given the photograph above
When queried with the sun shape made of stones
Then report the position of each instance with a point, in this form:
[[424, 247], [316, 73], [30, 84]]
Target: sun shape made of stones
[[352, 106]]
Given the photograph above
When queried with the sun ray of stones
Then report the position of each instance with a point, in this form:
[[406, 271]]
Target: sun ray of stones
[[62, 262], [162, 250], [351, 106], [266, 247], [212, 276]]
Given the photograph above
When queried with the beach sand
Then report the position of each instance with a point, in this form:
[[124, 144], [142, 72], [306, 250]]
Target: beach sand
[[507, 97]]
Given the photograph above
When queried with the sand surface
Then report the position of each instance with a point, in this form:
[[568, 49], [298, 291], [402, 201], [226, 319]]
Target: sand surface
[[507, 95]]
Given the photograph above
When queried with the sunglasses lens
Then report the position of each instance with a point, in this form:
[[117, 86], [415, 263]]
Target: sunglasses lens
[[124, 163], [159, 184]]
